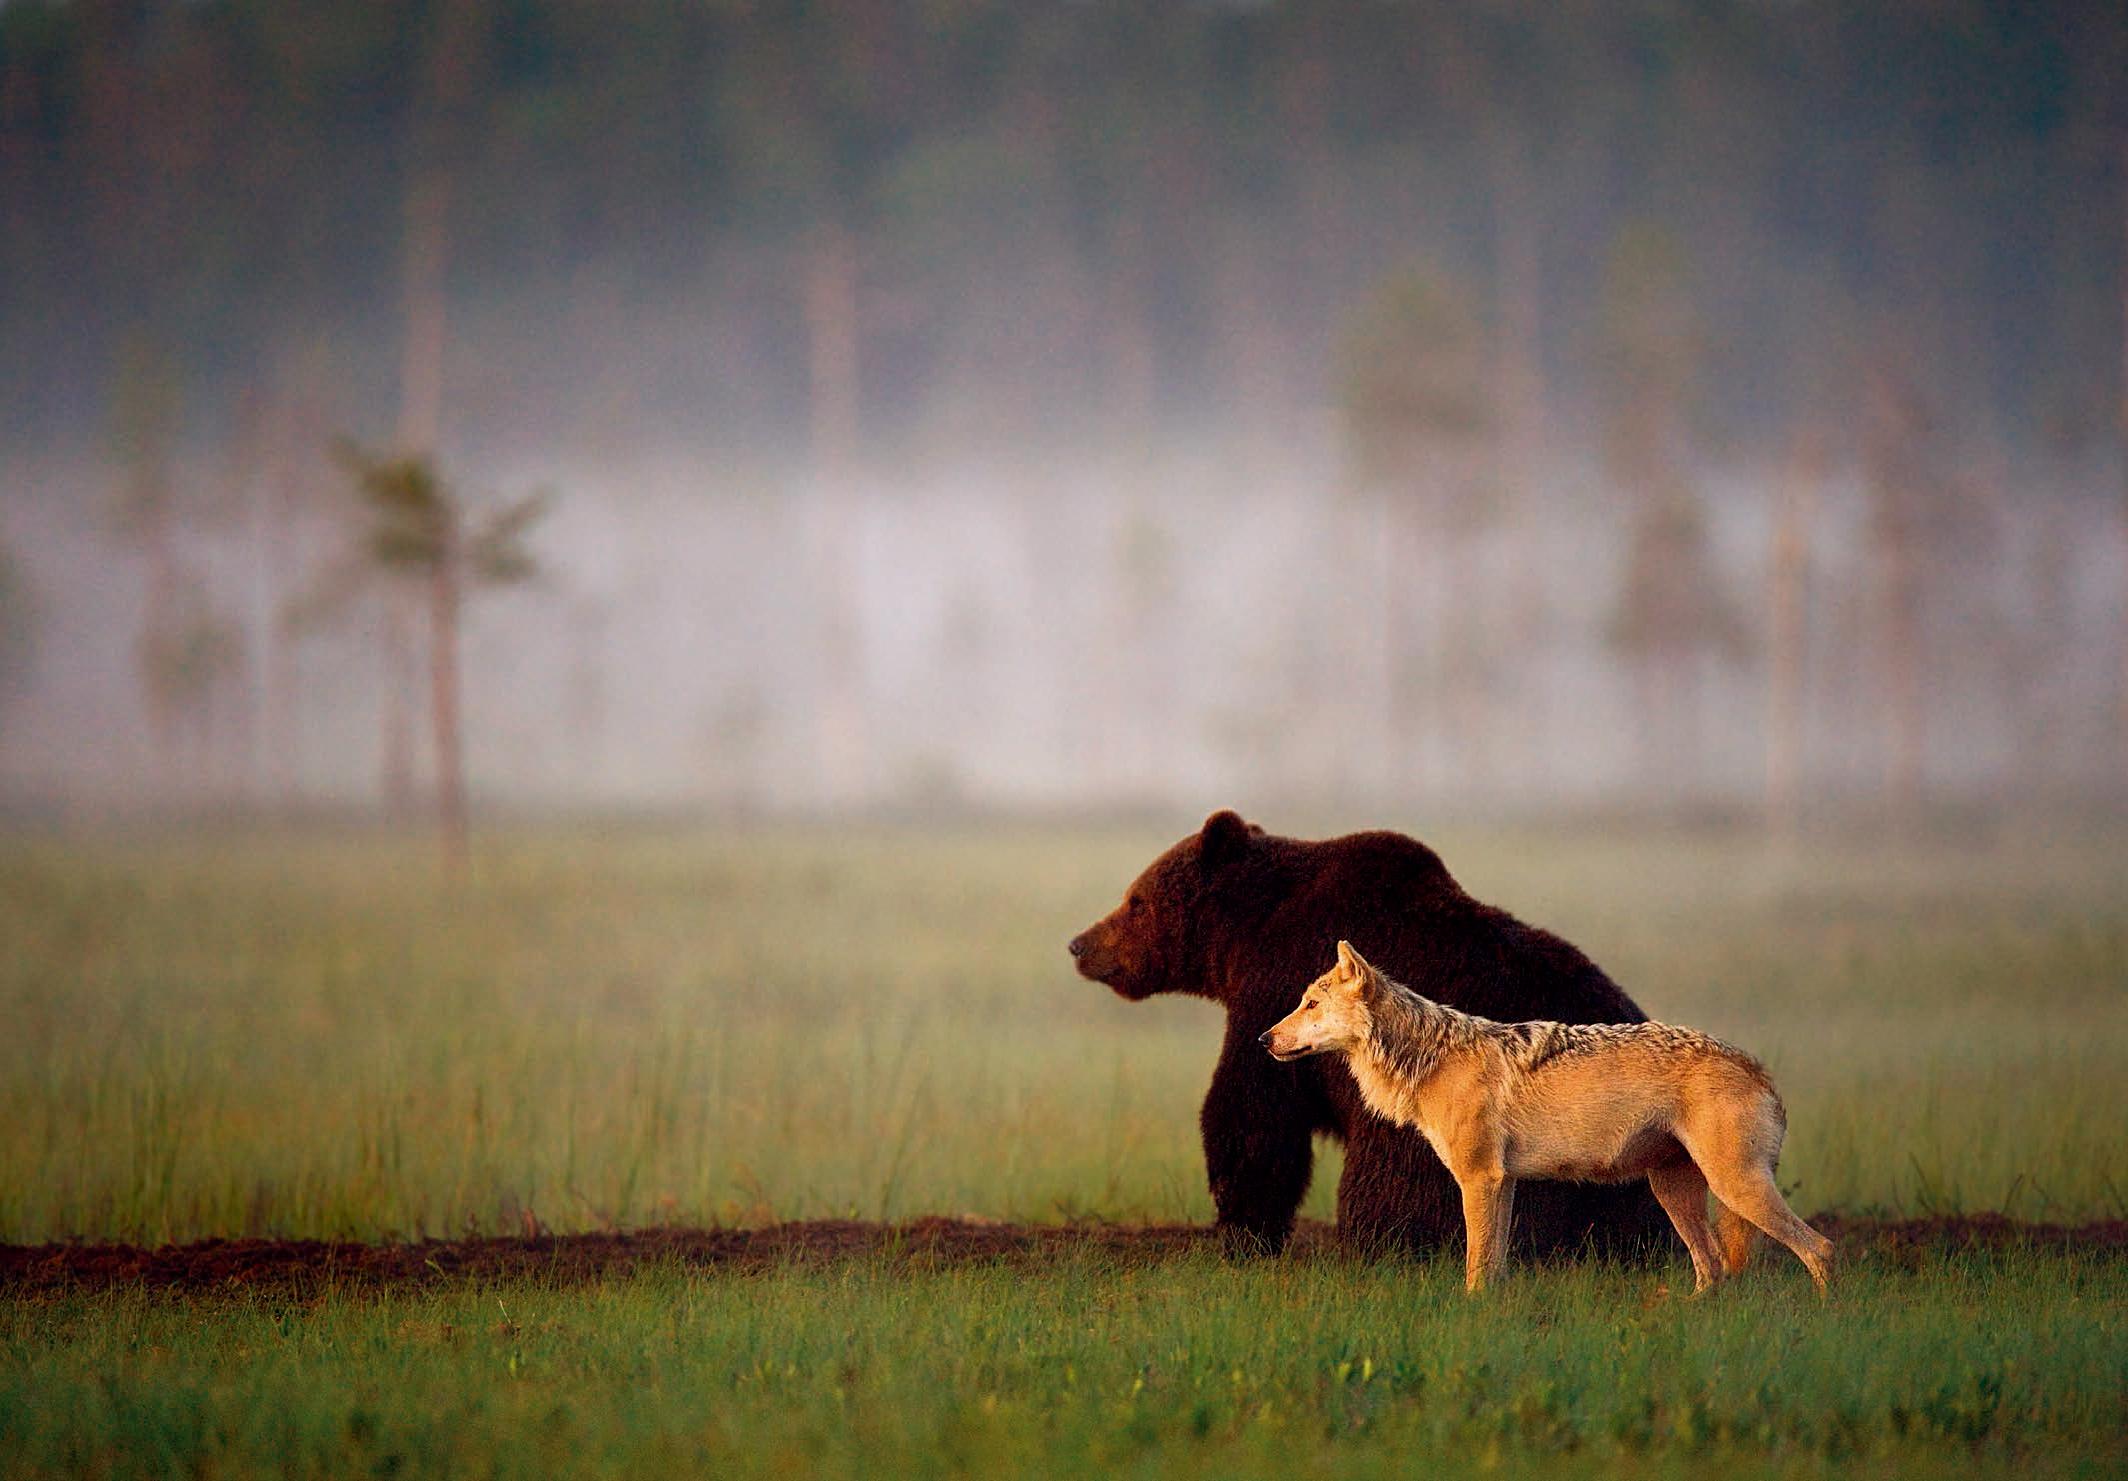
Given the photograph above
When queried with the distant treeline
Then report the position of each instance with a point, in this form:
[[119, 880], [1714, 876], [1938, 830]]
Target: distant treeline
[[874, 228]]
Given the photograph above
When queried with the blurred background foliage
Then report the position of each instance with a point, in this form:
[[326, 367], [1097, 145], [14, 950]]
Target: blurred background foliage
[[998, 403], [227, 180]]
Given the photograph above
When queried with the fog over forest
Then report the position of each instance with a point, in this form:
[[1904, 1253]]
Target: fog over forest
[[996, 404]]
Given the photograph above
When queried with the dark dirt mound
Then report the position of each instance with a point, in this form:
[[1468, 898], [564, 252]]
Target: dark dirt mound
[[304, 1266], [307, 1264], [1908, 1240]]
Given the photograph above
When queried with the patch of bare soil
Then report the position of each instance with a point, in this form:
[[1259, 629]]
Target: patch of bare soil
[[1909, 1241], [302, 1267]]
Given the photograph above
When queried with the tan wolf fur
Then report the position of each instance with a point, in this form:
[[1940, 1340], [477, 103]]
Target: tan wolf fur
[[1598, 1102]]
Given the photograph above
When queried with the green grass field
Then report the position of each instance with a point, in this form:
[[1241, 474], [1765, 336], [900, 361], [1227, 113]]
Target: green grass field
[[2015, 1365], [310, 1036], [302, 1034]]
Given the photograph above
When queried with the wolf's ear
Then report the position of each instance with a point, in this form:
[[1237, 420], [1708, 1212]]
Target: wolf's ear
[[1225, 838], [1351, 963]]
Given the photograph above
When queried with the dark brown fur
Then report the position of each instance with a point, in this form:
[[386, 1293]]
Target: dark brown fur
[[1240, 916]]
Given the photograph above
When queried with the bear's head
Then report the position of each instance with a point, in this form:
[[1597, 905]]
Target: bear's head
[[1151, 943]]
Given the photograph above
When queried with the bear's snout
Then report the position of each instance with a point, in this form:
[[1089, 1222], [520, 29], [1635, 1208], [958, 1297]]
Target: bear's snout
[[1093, 952]]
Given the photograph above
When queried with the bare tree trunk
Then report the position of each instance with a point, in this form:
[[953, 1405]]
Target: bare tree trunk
[[1689, 670], [2121, 742], [1787, 633], [443, 708], [1360, 545], [1651, 672], [832, 337], [586, 703], [1676, 744], [284, 731], [832, 345], [253, 468], [2031, 665], [397, 655], [1404, 549], [157, 615], [1119, 757], [145, 392], [1901, 474], [1255, 375], [1458, 638], [1129, 362], [1464, 608], [1524, 417], [1305, 102], [269, 469], [451, 56], [278, 676], [426, 248], [1902, 668]]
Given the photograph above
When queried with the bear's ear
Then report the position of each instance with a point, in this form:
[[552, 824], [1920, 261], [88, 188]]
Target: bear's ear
[[1224, 839]]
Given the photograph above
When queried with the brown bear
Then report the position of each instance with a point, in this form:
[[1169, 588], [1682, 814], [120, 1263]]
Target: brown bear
[[1249, 919]]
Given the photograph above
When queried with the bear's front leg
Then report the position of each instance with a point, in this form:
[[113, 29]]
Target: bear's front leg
[[1394, 1196], [1258, 1145]]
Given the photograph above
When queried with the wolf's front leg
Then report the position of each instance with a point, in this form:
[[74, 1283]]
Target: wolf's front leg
[[1488, 1207]]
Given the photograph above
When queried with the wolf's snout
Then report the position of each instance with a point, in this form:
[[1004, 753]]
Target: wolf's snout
[[1264, 1038]]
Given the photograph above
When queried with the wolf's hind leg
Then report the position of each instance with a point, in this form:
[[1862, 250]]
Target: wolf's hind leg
[[1735, 1235], [1682, 1191], [1751, 1192], [1503, 1221]]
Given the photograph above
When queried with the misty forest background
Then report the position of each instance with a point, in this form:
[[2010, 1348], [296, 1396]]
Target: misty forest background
[[994, 403]]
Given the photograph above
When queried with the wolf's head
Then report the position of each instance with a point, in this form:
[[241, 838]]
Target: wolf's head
[[1335, 1014]]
